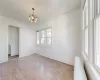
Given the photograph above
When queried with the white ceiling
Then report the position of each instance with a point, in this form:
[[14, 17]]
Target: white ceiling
[[44, 9]]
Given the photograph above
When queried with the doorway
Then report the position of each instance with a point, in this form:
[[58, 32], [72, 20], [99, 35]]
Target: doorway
[[13, 42]]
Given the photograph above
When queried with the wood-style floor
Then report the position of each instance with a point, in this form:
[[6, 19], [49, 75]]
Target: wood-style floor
[[35, 67]]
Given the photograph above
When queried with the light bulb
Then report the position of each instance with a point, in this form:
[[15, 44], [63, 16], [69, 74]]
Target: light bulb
[[35, 20], [29, 18], [32, 17]]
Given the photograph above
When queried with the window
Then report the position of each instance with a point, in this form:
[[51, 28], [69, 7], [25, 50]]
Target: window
[[97, 42], [44, 37], [97, 8], [85, 25], [97, 34], [91, 9], [38, 35], [49, 36]]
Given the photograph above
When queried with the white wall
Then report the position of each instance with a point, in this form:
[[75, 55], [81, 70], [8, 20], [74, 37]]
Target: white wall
[[66, 37], [3, 42], [24, 30], [27, 41]]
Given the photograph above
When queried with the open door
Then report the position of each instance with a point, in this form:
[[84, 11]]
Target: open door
[[13, 41]]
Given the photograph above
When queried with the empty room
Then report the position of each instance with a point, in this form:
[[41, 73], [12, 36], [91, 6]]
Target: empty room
[[49, 39]]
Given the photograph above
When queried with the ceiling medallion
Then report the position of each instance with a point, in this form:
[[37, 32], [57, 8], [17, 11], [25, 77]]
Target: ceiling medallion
[[32, 17]]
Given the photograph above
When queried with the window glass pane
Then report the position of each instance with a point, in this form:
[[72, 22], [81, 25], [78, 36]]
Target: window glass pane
[[43, 33], [48, 41], [98, 6], [44, 37], [83, 19], [97, 42], [91, 9], [38, 41], [87, 16], [49, 32], [43, 41], [86, 40]]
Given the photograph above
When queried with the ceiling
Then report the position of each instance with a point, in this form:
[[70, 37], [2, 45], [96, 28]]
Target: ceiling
[[44, 9]]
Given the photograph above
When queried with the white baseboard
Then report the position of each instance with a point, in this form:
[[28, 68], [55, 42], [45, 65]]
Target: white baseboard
[[54, 59]]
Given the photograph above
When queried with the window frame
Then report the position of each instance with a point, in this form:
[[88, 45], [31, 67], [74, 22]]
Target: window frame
[[37, 36], [96, 16], [86, 24], [49, 37], [95, 54], [42, 37], [92, 16]]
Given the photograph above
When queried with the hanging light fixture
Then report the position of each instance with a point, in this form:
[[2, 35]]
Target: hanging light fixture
[[32, 17]]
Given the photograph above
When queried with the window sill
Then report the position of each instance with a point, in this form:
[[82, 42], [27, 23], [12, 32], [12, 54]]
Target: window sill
[[92, 72], [97, 68], [84, 56], [91, 69]]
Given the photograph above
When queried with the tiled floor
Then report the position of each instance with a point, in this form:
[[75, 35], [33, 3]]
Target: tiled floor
[[35, 67]]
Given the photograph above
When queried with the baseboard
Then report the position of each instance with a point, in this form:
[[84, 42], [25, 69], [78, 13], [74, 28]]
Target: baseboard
[[3, 61], [55, 59], [20, 56]]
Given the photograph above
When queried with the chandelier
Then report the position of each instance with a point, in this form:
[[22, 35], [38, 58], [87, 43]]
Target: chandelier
[[32, 17]]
